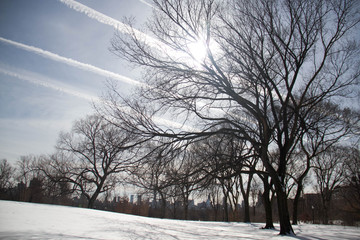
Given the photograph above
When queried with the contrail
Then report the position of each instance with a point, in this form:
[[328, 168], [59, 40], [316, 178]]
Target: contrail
[[37, 81], [146, 3], [102, 18], [46, 83], [71, 62]]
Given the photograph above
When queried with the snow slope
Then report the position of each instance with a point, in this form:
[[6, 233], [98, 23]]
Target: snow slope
[[20, 220]]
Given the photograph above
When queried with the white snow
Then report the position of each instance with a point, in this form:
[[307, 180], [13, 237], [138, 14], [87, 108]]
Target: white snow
[[19, 220]]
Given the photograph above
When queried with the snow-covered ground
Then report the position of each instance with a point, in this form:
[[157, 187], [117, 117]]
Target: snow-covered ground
[[20, 220]]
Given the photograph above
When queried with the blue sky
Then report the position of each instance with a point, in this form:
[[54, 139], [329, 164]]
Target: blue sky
[[45, 84]]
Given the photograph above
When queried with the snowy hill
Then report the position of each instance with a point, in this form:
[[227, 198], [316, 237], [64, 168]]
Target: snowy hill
[[39, 221]]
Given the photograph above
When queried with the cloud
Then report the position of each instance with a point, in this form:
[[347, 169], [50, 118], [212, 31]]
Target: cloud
[[146, 3], [174, 125], [71, 62], [47, 83], [102, 18]]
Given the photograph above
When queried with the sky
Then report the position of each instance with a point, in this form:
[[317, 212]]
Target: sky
[[54, 63]]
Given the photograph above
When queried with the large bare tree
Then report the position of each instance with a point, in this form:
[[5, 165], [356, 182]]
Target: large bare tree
[[92, 156], [265, 67]]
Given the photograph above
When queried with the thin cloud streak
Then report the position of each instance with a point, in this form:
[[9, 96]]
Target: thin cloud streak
[[176, 125], [90, 98], [46, 84], [146, 3], [71, 62], [102, 18]]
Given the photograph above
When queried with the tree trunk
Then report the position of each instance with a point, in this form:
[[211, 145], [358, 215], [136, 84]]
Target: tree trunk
[[163, 206], [92, 200], [246, 194], [278, 181], [246, 209], [267, 187], [96, 194], [326, 205], [186, 203], [267, 204], [186, 210], [326, 199], [226, 210], [326, 216], [299, 189], [285, 225], [174, 210], [296, 203]]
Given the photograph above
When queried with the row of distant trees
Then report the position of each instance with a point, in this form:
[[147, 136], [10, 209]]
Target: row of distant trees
[[95, 157], [268, 102]]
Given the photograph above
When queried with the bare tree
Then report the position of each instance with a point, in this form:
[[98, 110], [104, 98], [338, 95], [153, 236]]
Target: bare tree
[[352, 179], [94, 154], [329, 125], [6, 175], [329, 168], [25, 169], [153, 172], [232, 163], [183, 177], [31, 180], [54, 170], [230, 189], [267, 66], [255, 193], [213, 192]]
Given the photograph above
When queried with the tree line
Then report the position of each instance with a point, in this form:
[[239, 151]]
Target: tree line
[[93, 158], [267, 101]]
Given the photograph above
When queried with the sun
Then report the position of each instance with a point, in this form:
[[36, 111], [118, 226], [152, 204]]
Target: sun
[[198, 50]]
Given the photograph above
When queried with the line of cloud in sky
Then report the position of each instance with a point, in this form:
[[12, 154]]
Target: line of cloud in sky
[[146, 3], [47, 84], [71, 62], [102, 18]]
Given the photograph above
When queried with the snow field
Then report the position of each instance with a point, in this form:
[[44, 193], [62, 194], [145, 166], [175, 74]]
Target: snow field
[[19, 220]]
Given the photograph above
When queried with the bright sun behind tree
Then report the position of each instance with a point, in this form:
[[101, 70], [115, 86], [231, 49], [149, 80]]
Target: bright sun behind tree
[[198, 50]]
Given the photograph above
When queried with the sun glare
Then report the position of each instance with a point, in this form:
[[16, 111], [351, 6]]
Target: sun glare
[[195, 54], [198, 50]]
